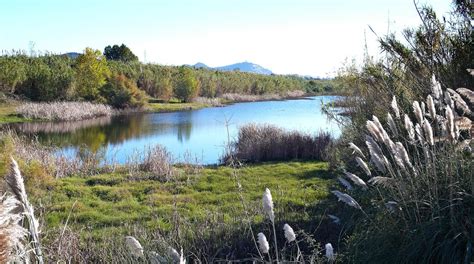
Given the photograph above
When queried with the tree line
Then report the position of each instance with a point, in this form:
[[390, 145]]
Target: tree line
[[116, 77]]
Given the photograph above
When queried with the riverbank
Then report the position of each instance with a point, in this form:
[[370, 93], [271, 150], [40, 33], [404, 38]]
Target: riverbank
[[9, 114]]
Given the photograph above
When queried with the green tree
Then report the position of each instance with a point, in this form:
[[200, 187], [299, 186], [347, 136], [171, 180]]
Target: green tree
[[91, 73], [121, 92], [13, 72], [187, 86], [121, 53]]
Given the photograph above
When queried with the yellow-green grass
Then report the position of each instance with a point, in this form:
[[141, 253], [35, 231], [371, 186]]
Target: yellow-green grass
[[111, 201], [172, 107], [8, 114]]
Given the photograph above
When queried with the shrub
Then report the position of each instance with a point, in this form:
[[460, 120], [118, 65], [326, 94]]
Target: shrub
[[121, 92]]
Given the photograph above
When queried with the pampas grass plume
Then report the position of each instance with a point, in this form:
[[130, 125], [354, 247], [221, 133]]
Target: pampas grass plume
[[267, 202], [347, 199], [394, 106], [289, 233], [134, 246], [409, 128], [417, 111], [363, 165], [428, 132], [392, 125], [11, 231], [354, 178], [263, 243], [431, 106], [330, 252], [356, 149], [345, 183]]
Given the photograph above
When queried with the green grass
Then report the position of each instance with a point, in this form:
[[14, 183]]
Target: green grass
[[175, 106], [8, 114], [114, 200]]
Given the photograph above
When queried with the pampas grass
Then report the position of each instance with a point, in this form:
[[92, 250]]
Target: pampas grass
[[355, 179], [347, 199], [289, 233], [409, 128], [268, 209], [263, 243], [394, 106], [417, 111], [16, 184], [330, 252], [356, 149], [345, 183], [12, 233], [134, 246], [363, 165]]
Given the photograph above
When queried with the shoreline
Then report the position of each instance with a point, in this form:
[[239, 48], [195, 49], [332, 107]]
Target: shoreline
[[9, 116]]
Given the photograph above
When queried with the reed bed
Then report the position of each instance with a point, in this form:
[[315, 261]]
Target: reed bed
[[256, 143], [64, 111]]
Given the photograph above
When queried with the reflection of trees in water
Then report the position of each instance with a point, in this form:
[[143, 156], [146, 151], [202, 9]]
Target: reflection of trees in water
[[95, 134], [60, 127]]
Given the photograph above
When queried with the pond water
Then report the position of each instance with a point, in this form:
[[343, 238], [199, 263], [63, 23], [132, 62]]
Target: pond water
[[197, 136]]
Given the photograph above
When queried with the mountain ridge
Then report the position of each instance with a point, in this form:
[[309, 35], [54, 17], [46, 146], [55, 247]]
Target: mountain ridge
[[240, 66]]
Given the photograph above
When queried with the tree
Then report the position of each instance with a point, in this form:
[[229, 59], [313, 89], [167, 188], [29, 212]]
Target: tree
[[13, 72], [121, 53], [91, 73], [121, 92], [187, 87]]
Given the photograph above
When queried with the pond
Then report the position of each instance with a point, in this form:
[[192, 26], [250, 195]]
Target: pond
[[197, 136]]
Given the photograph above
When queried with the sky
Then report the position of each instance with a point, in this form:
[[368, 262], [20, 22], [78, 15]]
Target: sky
[[306, 37]]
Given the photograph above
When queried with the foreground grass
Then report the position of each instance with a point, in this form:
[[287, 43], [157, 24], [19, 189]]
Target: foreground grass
[[113, 200]]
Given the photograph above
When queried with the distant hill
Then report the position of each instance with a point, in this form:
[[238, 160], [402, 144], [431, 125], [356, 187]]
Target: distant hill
[[241, 66], [72, 55]]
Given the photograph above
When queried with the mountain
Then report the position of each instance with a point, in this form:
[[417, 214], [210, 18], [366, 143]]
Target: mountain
[[241, 66], [72, 55]]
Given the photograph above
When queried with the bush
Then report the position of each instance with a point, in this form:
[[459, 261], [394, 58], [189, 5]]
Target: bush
[[121, 92]]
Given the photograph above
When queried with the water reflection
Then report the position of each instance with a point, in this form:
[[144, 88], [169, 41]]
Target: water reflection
[[202, 132]]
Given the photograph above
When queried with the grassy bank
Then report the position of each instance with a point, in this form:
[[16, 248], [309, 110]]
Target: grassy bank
[[9, 115], [102, 209]]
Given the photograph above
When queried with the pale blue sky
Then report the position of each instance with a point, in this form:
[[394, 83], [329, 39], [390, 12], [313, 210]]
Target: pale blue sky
[[308, 37]]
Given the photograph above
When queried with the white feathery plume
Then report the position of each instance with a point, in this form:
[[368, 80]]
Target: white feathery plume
[[403, 153], [289, 233], [419, 134], [330, 252], [267, 202], [448, 100], [431, 107], [345, 183], [428, 132], [363, 165], [417, 111], [374, 131], [174, 255], [355, 179], [450, 123], [384, 134], [356, 149], [263, 243], [182, 260], [383, 181], [11, 232], [335, 219], [347, 199], [435, 87], [394, 106], [15, 182], [392, 125], [423, 108], [376, 156], [409, 128], [397, 156], [134, 246]]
